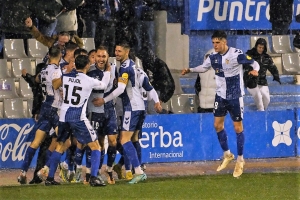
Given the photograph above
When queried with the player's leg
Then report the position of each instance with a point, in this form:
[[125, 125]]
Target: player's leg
[[118, 167], [257, 96], [38, 139], [236, 113], [111, 132], [79, 152], [88, 153], [85, 134], [220, 112], [62, 145], [101, 139], [130, 122], [265, 96]]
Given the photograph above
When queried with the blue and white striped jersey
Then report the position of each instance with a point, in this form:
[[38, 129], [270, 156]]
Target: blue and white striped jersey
[[131, 98], [97, 73], [77, 88], [228, 71], [145, 85], [47, 75]]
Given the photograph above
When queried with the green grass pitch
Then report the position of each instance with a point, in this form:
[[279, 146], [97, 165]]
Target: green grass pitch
[[256, 186]]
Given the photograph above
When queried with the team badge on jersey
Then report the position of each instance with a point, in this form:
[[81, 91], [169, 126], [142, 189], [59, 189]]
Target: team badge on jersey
[[227, 61], [248, 57]]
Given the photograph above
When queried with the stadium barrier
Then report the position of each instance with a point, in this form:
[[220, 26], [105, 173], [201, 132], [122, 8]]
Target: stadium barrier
[[181, 137]]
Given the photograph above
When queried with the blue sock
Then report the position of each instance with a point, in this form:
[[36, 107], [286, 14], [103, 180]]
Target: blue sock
[[138, 150], [111, 155], [28, 158], [95, 160], [88, 154], [222, 136], [126, 161], [69, 158], [240, 140], [131, 154], [54, 160], [48, 156], [101, 158], [78, 156]]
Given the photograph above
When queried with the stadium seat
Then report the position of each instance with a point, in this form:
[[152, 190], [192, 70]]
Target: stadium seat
[[4, 70], [18, 64], [281, 44], [24, 89], [167, 106], [38, 60], [8, 88], [138, 63], [178, 88], [36, 49], [88, 43], [291, 63], [29, 106], [13, 108], [14, 48], [253, 40], [180, 104], [112, 60]]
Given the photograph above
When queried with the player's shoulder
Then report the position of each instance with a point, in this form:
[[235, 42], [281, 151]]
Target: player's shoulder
[[235, 51], [127, 64]]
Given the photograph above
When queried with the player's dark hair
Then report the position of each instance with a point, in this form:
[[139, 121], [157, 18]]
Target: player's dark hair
[[54, 52], [80, 51], [92, 51], [104, 48], [81, 61], [125, 45], [71, 46], [219, 34]]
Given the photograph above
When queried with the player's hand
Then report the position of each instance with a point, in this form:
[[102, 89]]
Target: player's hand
[[98, 102], [185, 71], [158, 107], [36, 117], [24, 72], [253, 73], [28, 22]]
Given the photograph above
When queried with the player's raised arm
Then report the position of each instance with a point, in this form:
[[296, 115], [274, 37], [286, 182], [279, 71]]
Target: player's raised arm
[[199, 69]]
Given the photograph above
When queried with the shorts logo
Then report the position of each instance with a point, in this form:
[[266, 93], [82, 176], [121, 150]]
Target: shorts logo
[[217, 70]]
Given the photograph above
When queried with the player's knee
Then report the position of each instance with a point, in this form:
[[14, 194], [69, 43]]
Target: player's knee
[[218, 127], [112, 142], [94, 146]]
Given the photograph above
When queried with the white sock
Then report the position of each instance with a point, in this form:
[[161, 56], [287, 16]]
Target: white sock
[[99, 171], [240, 158], [138, 170], [227, 153], [23, 173], [109, 169], [79, 166]]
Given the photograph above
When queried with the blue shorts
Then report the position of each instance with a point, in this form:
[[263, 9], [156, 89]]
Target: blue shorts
[[48, 119], [64, 131], [235, 107], [105, 123], [83, 131], [132, 120]]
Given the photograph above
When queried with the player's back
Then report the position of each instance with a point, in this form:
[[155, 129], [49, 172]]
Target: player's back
[[131, 98], [77, 88], [52, 96]]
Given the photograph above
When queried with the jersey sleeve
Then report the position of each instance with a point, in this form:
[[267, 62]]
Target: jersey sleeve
[[56, 74], [204, 67], [146, 84], [244, 59], [124, 75], [101, 85]]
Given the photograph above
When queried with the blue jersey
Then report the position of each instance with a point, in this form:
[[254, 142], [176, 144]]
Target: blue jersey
[[131, 98], [228, 72], [77, 88], [144, 82], [97, 73]]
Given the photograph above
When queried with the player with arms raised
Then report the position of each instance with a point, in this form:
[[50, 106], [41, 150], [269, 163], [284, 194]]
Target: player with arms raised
[[228, 65]]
